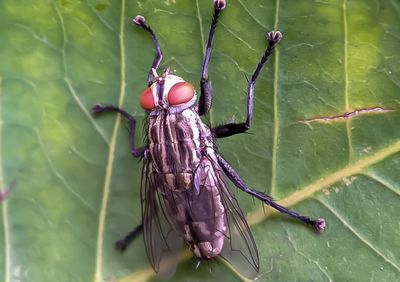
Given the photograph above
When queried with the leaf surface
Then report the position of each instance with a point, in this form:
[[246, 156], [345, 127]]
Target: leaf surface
[[325, 138]]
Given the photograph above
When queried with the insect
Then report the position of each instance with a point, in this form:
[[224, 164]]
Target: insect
[[184, 187]]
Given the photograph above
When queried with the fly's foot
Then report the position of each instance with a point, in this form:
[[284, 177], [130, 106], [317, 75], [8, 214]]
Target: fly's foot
[[139, 20], [219, 4], [98, 108], [121, 245], [319, 225], [274, 37]]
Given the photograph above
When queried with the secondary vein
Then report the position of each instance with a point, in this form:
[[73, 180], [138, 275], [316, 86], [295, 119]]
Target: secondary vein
[[346, 77], [276, 114], [4, 206]]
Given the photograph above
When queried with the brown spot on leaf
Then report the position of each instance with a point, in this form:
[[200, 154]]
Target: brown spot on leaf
[[348, 115]]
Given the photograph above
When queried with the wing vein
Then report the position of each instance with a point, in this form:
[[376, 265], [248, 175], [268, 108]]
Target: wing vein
[[163, 244]]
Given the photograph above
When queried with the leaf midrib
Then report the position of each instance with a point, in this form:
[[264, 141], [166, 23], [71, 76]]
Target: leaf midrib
[[98, 275]]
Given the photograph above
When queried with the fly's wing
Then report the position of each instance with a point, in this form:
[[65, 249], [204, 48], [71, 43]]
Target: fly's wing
[[239, 247], [163, 244]]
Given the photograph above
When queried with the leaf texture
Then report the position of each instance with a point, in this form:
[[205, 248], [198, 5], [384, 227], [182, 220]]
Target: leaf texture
[[325, 138]]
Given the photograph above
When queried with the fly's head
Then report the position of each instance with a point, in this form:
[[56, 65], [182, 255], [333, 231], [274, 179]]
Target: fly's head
[[168, 92]]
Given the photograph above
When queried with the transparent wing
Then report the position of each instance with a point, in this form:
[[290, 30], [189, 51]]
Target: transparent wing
[[239, 247], [163, 243]]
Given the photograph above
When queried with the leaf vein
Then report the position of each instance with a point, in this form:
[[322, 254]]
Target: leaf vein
[[346, 78], [85, 111], [57, 173], [358, 234], [396, 7], [275, 140], [313, 261], [200, 27], [111, 155], [251, 15], [383, 182], [100, 19], [4, 207], [230, 31], [67, 79]]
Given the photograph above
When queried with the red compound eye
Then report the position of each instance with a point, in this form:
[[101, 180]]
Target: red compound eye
[[180, 93], [146, 100]]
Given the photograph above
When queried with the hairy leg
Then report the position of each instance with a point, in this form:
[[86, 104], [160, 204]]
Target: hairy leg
[[125, 242], [234, 128], [136, 152], [205, 100], [140, 21], [318, 224]]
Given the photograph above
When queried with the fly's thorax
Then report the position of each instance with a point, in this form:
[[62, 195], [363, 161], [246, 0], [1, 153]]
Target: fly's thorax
[[180, 181], [177, 141], [174, 127]]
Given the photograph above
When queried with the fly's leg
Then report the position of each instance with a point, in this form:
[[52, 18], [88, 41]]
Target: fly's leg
[[136, 152], [125, 242], [234, 128], [318, 224], [140, 21], [205, 100]]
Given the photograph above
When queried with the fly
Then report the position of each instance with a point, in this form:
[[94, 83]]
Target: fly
[[184, 187]]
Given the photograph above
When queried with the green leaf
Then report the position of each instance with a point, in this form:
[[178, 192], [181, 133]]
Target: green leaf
[[325, 139]]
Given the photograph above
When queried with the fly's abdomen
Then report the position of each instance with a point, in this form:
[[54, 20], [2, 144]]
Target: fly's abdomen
[[207, 235], [198, 213], [206, 225]]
